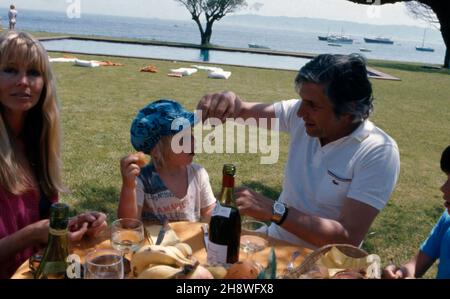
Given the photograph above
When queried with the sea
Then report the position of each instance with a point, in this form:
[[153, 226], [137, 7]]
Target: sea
[[277, 33]]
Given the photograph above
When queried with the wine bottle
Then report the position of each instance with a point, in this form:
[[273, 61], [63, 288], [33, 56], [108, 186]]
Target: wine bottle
[[53, 263], [225, 223]]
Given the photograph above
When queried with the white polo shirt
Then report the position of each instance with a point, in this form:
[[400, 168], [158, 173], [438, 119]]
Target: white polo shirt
[[363, 166]]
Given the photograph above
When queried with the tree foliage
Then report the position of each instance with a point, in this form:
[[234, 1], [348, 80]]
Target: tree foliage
[[438, 7], [211, 10], [422, 11]]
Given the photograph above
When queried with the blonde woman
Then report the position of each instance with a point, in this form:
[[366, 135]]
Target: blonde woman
[[30, 165]]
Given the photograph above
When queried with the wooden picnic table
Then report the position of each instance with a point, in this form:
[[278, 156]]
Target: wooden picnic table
[[190, 233]]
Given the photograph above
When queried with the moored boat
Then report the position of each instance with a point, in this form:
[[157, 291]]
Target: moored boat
[[341, 39], [423, 48], [379, 40], [256, 46]]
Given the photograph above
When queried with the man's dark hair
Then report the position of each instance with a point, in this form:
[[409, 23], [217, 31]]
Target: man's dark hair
[[345, 80], [445, 160]]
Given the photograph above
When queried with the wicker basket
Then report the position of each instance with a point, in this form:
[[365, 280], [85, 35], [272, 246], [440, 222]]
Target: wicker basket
[[313, 257]]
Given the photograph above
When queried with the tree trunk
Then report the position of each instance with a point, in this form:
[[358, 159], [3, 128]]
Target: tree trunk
[[447, 59], [206, 36], [200, 28], [444, 19]]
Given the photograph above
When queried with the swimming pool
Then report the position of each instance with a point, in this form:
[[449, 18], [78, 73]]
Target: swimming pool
[[175, 53]]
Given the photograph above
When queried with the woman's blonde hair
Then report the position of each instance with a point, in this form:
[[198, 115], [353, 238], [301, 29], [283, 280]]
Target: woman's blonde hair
[[159, 152], [41, 131]]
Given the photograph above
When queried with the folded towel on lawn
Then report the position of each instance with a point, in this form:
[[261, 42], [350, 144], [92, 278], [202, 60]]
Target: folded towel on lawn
[[149, 69], [207, 68], [184, 71], [219, 75], [177, 75], [109, 63], [62, 59], [86, 63]]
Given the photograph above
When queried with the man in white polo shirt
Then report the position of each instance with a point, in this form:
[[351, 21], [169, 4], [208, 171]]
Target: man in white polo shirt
[[341, 168]]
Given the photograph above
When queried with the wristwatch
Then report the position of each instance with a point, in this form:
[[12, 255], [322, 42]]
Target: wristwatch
[[279, 212]]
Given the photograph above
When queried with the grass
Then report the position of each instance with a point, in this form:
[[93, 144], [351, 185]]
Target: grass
[[97, 106]]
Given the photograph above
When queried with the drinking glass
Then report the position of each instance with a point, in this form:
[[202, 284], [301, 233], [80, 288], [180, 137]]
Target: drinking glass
[[104, 264], [127, 235], [253, 236]]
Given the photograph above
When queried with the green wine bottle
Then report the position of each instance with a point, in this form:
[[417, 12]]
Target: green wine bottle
[[53, 263], [225, 223]]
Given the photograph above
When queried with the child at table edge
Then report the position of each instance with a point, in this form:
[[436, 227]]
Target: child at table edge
[[436, 246], [169, 187]]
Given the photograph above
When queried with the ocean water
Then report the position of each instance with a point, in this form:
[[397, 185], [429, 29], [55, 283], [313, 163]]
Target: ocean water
[[225, 34]]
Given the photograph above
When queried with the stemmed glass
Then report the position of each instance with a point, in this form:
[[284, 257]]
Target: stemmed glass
[[127, 235], [253, 237], [104, 264]]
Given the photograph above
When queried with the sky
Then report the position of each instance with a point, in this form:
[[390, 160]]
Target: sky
[[343, 10]]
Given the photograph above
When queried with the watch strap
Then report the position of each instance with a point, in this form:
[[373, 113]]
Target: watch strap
[[284, 216]]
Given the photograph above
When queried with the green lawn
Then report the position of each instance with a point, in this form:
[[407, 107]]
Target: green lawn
[[97, 106]]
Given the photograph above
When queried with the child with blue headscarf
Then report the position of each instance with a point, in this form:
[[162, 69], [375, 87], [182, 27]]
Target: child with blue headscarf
[[436, 246], [171, 186]]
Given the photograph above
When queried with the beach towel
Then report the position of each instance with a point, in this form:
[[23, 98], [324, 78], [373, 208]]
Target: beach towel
[[149, 69], [86, 63], [219, 75], [109, 63], [184, 71], [176, 75], [207, 68], [62, 59]]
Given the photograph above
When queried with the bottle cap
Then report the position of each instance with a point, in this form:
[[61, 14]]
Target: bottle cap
[[229, 169], [59, 216], [59, 210]]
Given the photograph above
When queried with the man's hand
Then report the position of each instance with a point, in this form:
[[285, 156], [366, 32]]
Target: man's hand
[[253, 204], [89, 223], [220, 105]]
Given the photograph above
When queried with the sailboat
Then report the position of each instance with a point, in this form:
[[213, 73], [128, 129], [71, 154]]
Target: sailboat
[[334, 39], [423, 48], [324, 38]]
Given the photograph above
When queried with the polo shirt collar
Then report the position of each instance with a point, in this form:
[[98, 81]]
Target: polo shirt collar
[[363, 131], [360, 134]]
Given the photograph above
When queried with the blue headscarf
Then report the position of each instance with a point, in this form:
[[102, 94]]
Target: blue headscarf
[[160, 118]]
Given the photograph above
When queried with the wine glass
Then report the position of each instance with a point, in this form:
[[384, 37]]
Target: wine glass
[[127, 235], [253, 237], [104, 264]]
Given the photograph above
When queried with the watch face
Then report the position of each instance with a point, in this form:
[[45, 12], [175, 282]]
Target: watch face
[[279, 208]]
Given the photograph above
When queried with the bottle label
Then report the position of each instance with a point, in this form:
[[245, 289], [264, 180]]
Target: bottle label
[[228, 181], [217, 254], [57, 232], [222, 211], [55, 267]]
